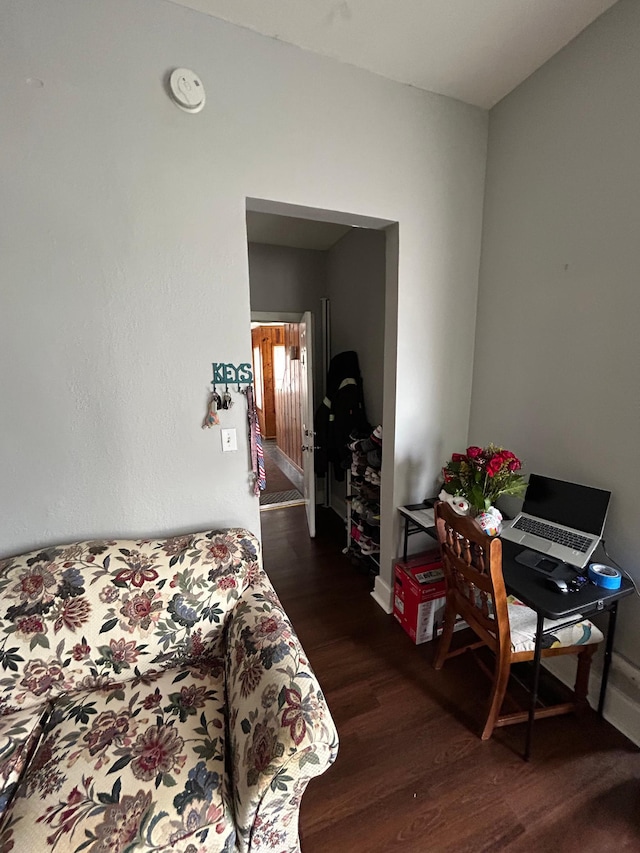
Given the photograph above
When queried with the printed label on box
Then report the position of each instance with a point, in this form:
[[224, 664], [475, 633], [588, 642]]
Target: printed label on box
[[430, 576], [429, 613]]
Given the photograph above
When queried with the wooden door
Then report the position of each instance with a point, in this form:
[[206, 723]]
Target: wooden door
[[288, 422], [263, 340]]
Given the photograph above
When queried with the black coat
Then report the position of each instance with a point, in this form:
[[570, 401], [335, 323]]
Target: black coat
[[340, 414]]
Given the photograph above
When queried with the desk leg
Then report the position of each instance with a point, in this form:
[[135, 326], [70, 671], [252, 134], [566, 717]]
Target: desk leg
[[406, 538], [536, 679], [608, 649]]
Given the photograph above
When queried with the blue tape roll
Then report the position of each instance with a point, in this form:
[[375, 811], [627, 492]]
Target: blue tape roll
[[605, 576]]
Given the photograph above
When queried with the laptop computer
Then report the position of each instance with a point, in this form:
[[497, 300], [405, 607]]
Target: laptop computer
[[560, 519]]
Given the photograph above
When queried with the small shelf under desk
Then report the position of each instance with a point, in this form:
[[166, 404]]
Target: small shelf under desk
[[418, 518]]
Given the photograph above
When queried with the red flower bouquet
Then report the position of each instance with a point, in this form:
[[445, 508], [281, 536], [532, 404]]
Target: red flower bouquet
[[482, 474]]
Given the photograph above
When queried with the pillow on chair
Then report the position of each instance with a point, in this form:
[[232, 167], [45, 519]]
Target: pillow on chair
[[523, 622]]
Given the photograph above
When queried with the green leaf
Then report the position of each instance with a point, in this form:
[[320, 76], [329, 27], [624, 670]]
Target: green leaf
[[120, 763], [279, 782], [106, 799], [116, 694], [108, 625], [477, 497], [81, 713], [207, 750], [115, 791], [309, 758], [181, 676]]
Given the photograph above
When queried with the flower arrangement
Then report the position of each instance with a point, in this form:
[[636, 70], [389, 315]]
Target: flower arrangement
[[482, 474]]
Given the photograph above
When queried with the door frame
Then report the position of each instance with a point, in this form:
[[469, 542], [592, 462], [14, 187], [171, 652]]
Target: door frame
[[390, 532], [308, 484]]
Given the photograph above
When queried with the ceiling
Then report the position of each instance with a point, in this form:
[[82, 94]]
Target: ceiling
[[474, 50], [293, 232]]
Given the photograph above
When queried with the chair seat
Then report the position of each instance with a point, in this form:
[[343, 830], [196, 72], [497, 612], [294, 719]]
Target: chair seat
[[523, 621]]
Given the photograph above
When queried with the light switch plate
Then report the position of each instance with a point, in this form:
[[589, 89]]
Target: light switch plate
[[229, 439]]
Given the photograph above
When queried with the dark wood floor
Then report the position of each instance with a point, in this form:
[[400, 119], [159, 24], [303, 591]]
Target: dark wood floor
[[411, 774]]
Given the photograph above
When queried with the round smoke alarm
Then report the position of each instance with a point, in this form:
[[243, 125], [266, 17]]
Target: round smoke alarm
[[187, 90]]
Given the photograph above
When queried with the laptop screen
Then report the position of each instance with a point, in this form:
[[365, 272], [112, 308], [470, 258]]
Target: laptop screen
[[582, 507]]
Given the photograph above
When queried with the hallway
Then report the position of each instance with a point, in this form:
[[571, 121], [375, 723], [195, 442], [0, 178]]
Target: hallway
[[280, 490]]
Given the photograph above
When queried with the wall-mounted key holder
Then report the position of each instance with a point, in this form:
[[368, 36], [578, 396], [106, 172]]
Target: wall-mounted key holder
[[225, 373]]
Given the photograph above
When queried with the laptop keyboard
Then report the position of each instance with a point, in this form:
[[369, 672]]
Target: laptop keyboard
[[553, 534]]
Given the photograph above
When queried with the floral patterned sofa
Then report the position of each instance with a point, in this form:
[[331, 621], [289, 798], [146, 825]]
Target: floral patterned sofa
[[153, 696]]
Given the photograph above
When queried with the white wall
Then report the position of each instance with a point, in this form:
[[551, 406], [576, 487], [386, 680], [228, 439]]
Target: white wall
[[124, 256], [286, 279], [558, 349], [356, 281]]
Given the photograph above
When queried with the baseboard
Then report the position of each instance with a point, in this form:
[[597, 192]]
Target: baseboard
[[382, 594], [289, 469], [622, 703]]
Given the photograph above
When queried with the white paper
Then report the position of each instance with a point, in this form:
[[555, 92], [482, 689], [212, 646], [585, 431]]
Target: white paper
[[423, 517]]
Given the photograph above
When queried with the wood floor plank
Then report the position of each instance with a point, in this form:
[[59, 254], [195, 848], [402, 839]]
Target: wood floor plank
[[412, 773]]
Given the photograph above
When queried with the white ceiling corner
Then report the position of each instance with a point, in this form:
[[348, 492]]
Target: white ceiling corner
[[474, 50]]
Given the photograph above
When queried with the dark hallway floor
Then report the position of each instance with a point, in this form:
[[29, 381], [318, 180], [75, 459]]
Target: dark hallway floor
[[280, 489]]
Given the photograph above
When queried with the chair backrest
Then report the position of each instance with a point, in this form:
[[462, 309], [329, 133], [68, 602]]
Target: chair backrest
[[472, 566]]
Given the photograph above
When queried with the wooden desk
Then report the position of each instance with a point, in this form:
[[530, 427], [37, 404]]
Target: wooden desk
[[529, 585]]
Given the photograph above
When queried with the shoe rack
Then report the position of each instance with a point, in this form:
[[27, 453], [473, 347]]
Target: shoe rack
[[363, 501]]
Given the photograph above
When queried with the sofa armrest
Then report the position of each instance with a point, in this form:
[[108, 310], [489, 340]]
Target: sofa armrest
[[281, 733]]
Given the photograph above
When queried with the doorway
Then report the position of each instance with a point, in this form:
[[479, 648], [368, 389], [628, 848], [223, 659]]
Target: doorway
[[275, 350], [282, 353], [300, 258]]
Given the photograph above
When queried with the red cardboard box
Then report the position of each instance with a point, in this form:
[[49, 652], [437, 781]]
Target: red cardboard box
[[419, 595]]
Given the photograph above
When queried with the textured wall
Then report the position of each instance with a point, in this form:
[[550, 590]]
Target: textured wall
[[557, 353], [124, 255]]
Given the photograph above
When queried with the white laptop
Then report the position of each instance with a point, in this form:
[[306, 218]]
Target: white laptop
[[562, 520]]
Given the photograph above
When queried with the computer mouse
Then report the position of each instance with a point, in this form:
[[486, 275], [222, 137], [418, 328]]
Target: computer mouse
[[557, 584]]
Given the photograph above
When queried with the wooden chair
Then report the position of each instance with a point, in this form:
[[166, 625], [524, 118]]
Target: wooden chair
[[472, 564]]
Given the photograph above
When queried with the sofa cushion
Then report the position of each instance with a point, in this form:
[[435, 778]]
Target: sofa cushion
[[99, 612], [140, 762], [19, 736]]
